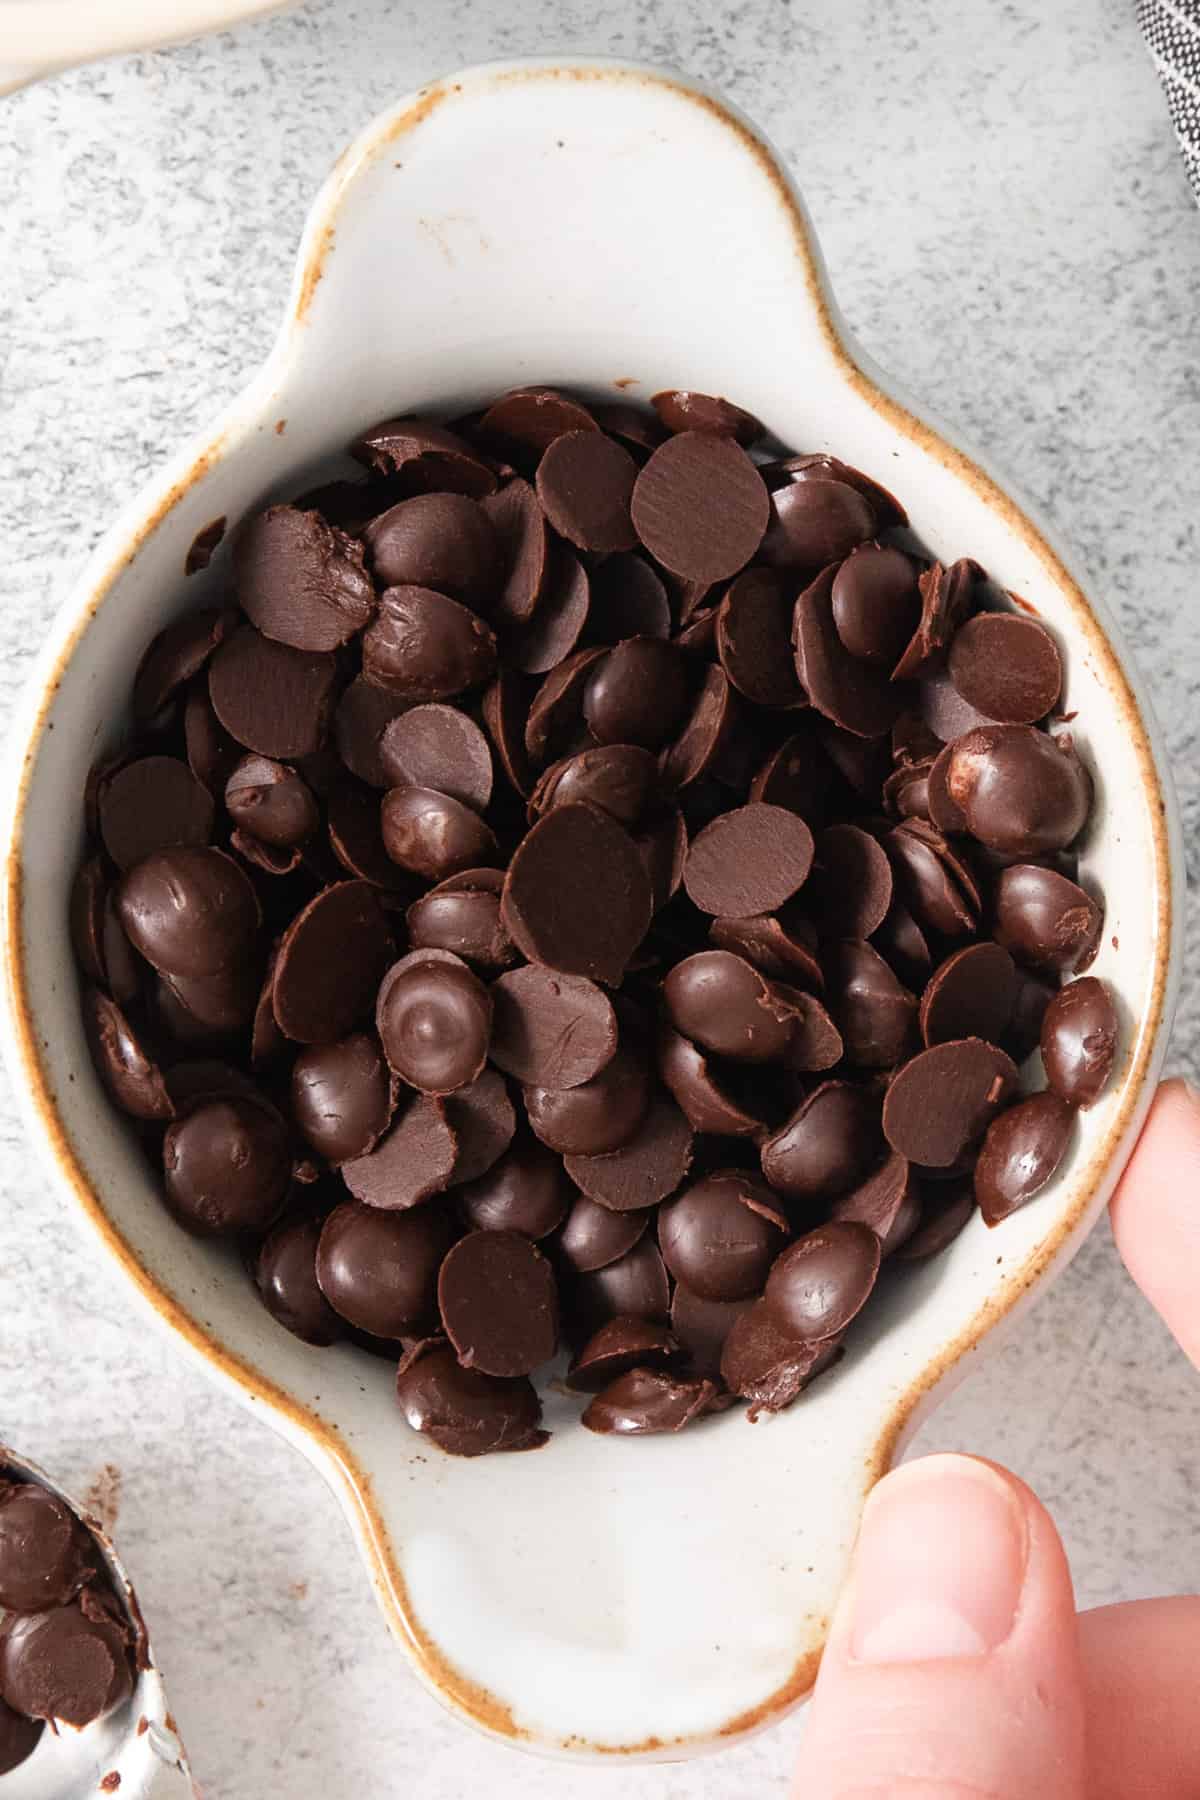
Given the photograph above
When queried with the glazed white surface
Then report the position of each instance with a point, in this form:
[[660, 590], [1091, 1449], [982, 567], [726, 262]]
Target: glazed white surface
[[968, 278]]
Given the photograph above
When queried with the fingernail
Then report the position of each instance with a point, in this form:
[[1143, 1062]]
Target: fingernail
[[940, 1564]]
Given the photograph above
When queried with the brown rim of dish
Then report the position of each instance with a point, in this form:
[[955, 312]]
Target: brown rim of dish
[[462, 1695]]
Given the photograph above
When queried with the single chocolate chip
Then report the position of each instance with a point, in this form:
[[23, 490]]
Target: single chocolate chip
[[1023, 1148], [46, 1556], [422, 646], [853, 694], [520, 527], [551, 1030], [662, 845], [155, 803], [176, 656], [1019, 790], [823, 1281], [272, 698], [592, 1237], [748, 861], [189, 912], [875, 602], [499, 1303], [529, 419], [331, 960], [1006, 666], [754, 640], [700, 1328], [781, 945], [721, 1235], [301, 581], [619, 1346], [342, 1096], [484, 1123], [363, 714], [820, 466], [701, 1096], [639, 431], [462, 914], [767, 1365], [415, 1159], [719, 1000], [434, 1019], [1079, 1041], [271, 802], [285, 1274], [875, 1014], [972, 994], [597, 1115], [645, 1401], [465, 1412], [827, 1145], [888, 1200], [945, 711], [378, 1270], [427, 457], [648, 1166], [355, 822], [815, 523], [434, 835], [618, 778], [941, 1101], [525, 1191], [212, 754], [945, 1216], [221, 1003], [705, 735], [928, 882], [554, 631], [1046, 920], [71, 1664], [947, 596], [226, 1168], [577, 896], [634, 1286], [683, 409], [850, 888], [444, 542], [585, 483], [629, 600], [903, 946], [98, 937], [637, 694], [700, 506], [555, 714], [438, 747]]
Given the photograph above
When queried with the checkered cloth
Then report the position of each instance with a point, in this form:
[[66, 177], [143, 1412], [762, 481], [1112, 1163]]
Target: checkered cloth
[[1172, 32]]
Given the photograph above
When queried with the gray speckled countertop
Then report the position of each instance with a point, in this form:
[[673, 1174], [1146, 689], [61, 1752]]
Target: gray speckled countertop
[[1009, 231]]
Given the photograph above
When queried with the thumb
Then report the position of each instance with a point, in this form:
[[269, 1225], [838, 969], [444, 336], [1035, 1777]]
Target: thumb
[[952, 1670]]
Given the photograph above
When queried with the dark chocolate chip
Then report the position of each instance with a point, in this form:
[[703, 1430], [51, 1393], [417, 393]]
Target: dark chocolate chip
[[796, 776], [272, 698], [285, 1274], [363, 714], [853, 694], [551, 1030], [1046, 920], [944, 1218], [637, 694], [98, 937], [529, 419], [947, 596], [595, 1116], [700, 506], [227, 1167], [874, 1012], [499, 1303], [941, 1101], [702, 1097], [648, 1166], [705, 734], [482, 1118], [46, 1556], [422, 646], [526, 1191], [683, 409], [415, 1159], [748, 861], [927, 881], [438, 747], [827, 1145], [555, 715], [850, 888], [876, 605], [554, 631], [426, 456], [634, 1286], [153, 804], [465, 1412], [1079, 1041], [782, 945], [823, 1281], [1006, 666], [331, 960], [355, 821], [1021, 1151], [300, 581], [888, 1200], [212, 754], [271, 802], [763, 1363], [71, 1663], [619, 1346], [629, 600], [701, 1327], [721, 1235], [378, 1270], [754, 640], [520, 526], [815, 523], [189, 912], [176, 656], [434, 835], [443, 542], [619, 778], [1019, 790], [577, 896], [434, 1019], [585, 483], [717, 999], [462, 914], [645, 1401], [342, 1096], [592, 1236], [972, 994]]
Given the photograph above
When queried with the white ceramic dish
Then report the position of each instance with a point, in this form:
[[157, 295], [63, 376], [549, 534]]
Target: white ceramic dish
[[138, 1742], [38, 37], [614, 229]]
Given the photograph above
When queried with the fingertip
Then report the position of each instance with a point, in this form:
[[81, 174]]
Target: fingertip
[[1156, 1211]]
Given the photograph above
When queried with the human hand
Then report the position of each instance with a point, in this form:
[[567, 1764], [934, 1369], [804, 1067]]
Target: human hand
[[957, 1668]]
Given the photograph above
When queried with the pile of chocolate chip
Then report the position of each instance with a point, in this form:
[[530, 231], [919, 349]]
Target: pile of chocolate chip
[[593, 884], [67, 1650]]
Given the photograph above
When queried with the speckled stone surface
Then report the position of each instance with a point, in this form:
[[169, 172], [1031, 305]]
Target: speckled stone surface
[[1009, 230]]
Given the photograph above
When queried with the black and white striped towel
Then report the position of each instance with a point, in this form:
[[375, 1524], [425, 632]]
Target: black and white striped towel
[[1172, 32]]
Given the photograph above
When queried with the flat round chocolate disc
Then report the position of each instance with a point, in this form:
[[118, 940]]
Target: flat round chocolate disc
[[363, 715], [721, 1235], [823, 1281], [520, 525], [176, 655], [153, 804], [499, 1303], [700, 506], [70, 1663], [331, 960], [529, 419], [300, 581], [555, 629], [850, 888], [1006, 666], [853, 694], [585, 483], [754, 640], [189, 912], [648, 1166], [577, 896], [683, 409], [592, 1236], [378, 1270], [438, 747], [414, 1160], [705, 734], [422, 645], [272, 698], [484, 1123], [944, 1099], [748, 861], [445, 542], [628, 600], [551, 1030], [434, 1019], [342, 1097], [972, 994], [426, 457]]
